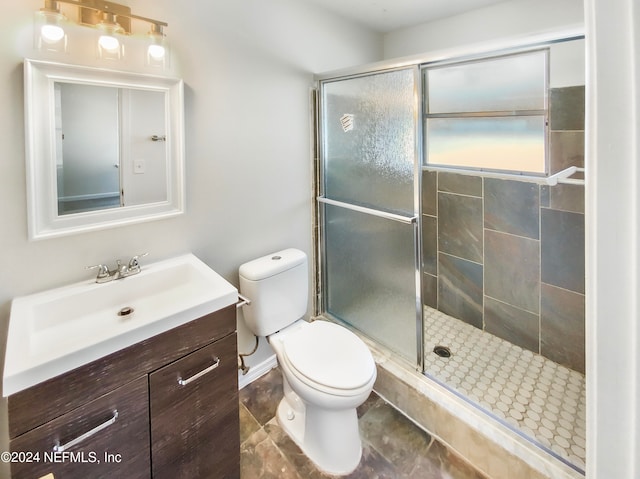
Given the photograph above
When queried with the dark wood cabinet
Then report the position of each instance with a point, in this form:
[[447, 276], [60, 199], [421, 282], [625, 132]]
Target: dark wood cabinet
[[133, 418], [194, 415], [107, 437]]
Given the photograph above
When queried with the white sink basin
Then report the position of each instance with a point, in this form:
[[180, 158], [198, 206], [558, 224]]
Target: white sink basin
[[56, 331]]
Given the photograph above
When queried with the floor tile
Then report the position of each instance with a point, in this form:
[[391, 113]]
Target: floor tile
[[261, 458], [259, 397], [393, 447]]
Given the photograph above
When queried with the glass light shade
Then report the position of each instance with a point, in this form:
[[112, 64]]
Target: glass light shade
[[157, 51], [110, 47], [49, 33]]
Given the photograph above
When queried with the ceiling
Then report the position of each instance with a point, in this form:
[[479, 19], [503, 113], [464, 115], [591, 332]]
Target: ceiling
[[387, 15]]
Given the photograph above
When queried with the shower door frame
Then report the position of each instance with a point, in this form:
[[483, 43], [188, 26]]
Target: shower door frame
[[320, 300]]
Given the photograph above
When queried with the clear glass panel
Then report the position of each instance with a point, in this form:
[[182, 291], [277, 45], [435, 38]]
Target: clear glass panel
[[370, 277], [500, 143], [369, 140], [516, 82]]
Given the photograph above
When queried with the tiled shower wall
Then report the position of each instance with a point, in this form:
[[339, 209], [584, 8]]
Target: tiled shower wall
[[507, 256]]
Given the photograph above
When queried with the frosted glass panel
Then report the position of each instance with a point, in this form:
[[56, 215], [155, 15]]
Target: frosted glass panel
[[369, 140], [512, 143], [370, 277], [510, 83]]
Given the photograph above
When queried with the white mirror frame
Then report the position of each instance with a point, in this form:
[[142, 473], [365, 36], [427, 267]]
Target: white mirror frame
[[42, 203]]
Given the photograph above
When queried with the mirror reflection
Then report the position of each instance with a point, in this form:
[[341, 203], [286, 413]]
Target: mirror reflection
[[110, 147]]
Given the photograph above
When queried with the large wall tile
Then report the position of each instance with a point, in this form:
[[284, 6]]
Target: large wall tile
[[563, 197], [512, 207], [562, 327], [515, 325], [566, 149], [461, 184], [429, 193], [460, 289], [562, 239], [430, 290], [566, 108], [512, 272], [460, 226], [430, 244]]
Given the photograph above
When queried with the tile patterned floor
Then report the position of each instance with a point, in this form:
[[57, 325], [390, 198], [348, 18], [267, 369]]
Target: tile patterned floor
[[393, 447], [542, 399]]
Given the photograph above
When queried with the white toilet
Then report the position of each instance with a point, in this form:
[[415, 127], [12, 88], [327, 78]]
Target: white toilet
[[327, 370]]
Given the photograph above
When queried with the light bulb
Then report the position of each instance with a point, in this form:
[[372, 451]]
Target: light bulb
[[156, 52], [52, 33], [109, 43]]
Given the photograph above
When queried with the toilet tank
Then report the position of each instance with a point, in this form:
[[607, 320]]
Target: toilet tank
[[278, 287]]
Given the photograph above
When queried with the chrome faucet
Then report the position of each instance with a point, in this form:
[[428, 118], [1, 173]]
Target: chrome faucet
[[121, 270]]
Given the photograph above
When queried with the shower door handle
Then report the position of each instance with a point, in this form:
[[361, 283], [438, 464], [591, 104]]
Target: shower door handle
[[370, 211]]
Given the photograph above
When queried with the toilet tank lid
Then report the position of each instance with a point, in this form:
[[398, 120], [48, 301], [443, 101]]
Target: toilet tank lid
[[272, 264]]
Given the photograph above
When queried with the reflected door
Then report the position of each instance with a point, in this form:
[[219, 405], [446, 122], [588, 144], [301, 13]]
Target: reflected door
[[369, 174], [87, 144]]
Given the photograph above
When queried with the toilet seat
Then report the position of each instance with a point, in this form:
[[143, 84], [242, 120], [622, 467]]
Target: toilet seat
[[329, 357]]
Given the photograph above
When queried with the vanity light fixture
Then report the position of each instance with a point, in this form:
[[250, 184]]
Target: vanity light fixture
[[112, 22]]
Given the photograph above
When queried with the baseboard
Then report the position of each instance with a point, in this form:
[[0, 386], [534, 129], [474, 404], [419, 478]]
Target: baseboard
[[257, 371]]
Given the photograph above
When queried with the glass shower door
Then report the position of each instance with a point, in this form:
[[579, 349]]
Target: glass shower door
[[369, 235]]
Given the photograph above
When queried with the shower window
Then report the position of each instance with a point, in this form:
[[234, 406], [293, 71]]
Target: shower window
[[489, 114]]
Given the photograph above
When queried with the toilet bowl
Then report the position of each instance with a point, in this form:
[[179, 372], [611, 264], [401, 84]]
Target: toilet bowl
[[327, 370]]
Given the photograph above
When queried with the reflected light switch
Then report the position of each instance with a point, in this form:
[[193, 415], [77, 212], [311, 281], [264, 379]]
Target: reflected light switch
[[138, 166]]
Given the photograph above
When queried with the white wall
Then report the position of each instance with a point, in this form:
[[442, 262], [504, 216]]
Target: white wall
[[247, 67], [513, 18]]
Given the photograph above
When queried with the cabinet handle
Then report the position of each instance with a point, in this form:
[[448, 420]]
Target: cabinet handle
[[86, 435], [184, 382]]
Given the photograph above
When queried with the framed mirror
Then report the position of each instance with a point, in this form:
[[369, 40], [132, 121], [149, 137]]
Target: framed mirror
[[104, 148]]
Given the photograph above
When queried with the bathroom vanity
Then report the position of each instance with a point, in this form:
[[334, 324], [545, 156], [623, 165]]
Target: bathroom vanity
[[133, 378], [150, 412]]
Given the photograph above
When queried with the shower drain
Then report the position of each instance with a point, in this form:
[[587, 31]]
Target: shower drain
[[442, 351]]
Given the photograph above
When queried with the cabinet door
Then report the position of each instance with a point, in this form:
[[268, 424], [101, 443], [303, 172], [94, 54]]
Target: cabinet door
[[194, 415], [106, 438]]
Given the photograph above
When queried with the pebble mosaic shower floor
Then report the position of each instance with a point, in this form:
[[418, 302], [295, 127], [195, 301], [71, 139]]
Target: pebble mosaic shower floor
[[538, 397]]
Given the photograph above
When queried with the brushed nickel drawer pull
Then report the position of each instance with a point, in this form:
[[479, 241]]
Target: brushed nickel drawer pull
[[184, 382], [86, 435]]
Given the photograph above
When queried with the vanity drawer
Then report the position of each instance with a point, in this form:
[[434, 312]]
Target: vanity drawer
[[45, 401], [194, 415], [114, 444]]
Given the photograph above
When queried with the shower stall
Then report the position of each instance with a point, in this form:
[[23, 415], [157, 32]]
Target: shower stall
[[450, 212]]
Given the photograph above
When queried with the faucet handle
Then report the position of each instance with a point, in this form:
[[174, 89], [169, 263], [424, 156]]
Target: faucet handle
[[103, 271], [134, 262]]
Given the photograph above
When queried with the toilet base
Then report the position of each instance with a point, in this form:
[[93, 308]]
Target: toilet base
[[329, 438]]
